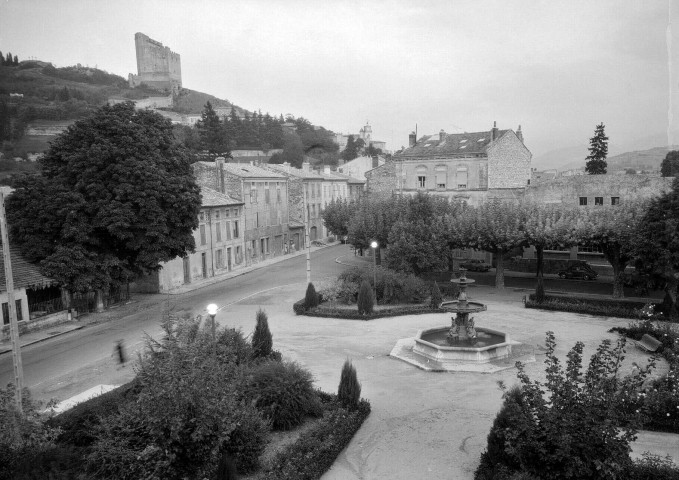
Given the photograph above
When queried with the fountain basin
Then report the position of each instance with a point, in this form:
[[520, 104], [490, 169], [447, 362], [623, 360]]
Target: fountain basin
[[459, 306], [490, 345]]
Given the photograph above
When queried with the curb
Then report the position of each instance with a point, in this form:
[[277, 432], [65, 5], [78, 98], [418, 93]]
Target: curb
[[4, 349]]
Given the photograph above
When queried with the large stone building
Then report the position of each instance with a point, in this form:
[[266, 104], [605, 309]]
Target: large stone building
[[358, 166], [264, 194], [364, 134], [470, 167], [157, 66]]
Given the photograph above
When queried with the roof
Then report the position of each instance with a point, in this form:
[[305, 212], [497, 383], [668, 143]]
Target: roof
[[348, 178], [295, 172], [246, 170], [26, 275], [333, 176], [213, 198], [452, 144]]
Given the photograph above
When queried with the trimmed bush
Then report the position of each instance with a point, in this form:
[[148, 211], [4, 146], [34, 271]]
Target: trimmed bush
[[325, 311], [311, 298], [284, 393], [299, 307], [593, 306], [349, 390], [315, 451], [436, 298], [365, 299], [262, 341], [392, 287]]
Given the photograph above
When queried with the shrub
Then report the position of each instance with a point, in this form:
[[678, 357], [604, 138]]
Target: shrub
[[436, 297], [340, 291], [299, 307], [349, 390], [325, 311], [311, 298], [391, 287], [248, 440], [262, 341], [283, 392], [232, 347], [603, 307], [653, 467], [365, 299], [317, 448], [576, 425]]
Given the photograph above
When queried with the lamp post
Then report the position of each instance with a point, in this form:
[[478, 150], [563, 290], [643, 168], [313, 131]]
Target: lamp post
[[374, 246], [212, 311]]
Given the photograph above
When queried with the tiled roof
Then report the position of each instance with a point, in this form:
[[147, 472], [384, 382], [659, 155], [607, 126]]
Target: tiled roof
[[452, 144], [25, 274], [213, 198], [333, 176], [348, 178], [246, 170], [295, 172]]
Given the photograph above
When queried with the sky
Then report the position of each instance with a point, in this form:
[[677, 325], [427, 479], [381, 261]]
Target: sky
[[557, 68]]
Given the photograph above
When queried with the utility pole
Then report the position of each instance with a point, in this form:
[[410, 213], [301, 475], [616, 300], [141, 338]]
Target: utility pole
[[306, 233], [11, 306]]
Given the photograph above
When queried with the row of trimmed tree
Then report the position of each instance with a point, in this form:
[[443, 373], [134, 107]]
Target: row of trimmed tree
[[422, 231]]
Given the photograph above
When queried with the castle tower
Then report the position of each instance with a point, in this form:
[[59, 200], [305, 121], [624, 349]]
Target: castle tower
[[157, 66]]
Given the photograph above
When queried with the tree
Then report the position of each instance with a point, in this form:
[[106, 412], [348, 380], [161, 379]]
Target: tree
[[349, 390], [311, 297], [16, 60], [373, 220], [656, 244], [598, 150], [116, 196], [576, 424], [262, 340], [495, 227], [366, 300], [547, 226], [293, 150], [351, 150], [2, 59], [337, 215], [211, 131], [670, 164], [612, 229]]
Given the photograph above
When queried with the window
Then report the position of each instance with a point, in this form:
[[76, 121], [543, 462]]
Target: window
[[253, 248], [598, 200], [201, 216], [595, 249], [220, 258], [239, 256], [203, 241], [583, 201], [441, 174], [267, 195], [218, 227], [5, 312], [262, 248], [278, 192], [462, 176], [615, 200], [253, 193], [235, 229], [257, 219], [421, 181], [226, 213], [228, 230]]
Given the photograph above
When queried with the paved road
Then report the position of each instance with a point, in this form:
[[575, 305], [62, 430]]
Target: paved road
[[69, 364]]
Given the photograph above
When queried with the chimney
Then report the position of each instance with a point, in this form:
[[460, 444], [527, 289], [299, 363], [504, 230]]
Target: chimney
[[326, 169], [442, 135], [519, 133], [412, 139], [493, 132], [219, 162], [306, 166]]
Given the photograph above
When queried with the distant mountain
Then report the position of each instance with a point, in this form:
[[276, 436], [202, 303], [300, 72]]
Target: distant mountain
[[561, 159], [648, 160]]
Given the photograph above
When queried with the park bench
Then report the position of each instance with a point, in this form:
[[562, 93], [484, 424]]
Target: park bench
[[648, 343]]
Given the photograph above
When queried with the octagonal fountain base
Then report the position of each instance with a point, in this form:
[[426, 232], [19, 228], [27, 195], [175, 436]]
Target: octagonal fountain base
[[488, 345]]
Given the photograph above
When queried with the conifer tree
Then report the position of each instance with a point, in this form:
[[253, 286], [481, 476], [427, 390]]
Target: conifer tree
[[598, 150], [670, 164], [16, 60], [211, 132], [2, 59], [351, 150], [262, 340], [349, 390], [365, 298]]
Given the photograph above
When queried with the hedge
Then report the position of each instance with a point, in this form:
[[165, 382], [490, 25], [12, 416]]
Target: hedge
[[316, 450], [352, 314], [594, 306]]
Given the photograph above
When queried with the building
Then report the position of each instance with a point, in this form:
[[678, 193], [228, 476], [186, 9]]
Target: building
[[357, 167], [305, 202], [264, 194], [469, 167], [157, 66], [365, 134], [334, 187], [220, 244]]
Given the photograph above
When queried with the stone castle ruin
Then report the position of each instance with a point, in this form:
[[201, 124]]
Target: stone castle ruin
[[157, 66]]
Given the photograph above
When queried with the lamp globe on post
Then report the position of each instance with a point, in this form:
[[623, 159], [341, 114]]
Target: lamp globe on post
[[374, 246], [212, 311]]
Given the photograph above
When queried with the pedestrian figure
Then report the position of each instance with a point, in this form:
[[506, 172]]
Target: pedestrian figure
[[120, 350]]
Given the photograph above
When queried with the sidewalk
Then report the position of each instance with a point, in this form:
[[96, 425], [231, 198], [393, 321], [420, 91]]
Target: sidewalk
[[140, 302]]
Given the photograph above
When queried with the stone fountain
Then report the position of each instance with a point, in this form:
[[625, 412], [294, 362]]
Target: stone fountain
[[462, 346]]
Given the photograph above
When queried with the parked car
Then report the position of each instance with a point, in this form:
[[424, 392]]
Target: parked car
[[474, 265], [580, 270]]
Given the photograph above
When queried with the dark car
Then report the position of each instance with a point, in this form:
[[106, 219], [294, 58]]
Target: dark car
[[474, 265], [583, 271]]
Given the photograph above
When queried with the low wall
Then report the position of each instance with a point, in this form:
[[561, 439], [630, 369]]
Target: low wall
[[26, 326]]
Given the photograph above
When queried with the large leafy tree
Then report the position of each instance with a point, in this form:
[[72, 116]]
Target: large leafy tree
[[657, 244], [670, 164], [612, 229], [548, 226], [418, 241], [598, 151], [115, 197], [373, 220], [337, 215], [351, 150], [495, 227]]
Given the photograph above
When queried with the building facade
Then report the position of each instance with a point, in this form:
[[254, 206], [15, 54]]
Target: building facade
[[357, 167], [469, 167]]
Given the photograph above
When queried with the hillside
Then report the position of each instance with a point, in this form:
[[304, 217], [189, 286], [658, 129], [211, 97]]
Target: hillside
[[643, 160]]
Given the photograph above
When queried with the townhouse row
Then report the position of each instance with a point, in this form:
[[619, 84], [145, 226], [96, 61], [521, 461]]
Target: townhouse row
[[250, 214]]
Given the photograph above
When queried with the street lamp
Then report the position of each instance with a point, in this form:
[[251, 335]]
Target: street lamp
[[212, 311], [374, 246]]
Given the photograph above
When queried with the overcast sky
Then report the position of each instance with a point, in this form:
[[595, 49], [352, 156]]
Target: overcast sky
[[556, 67]]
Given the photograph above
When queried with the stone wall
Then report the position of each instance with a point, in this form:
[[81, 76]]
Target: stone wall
[[569, 190], [508, 162], [382, 180], [157, 66]]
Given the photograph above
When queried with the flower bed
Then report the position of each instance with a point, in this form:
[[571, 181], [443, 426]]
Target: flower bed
[[595, 306], [350, 312]]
